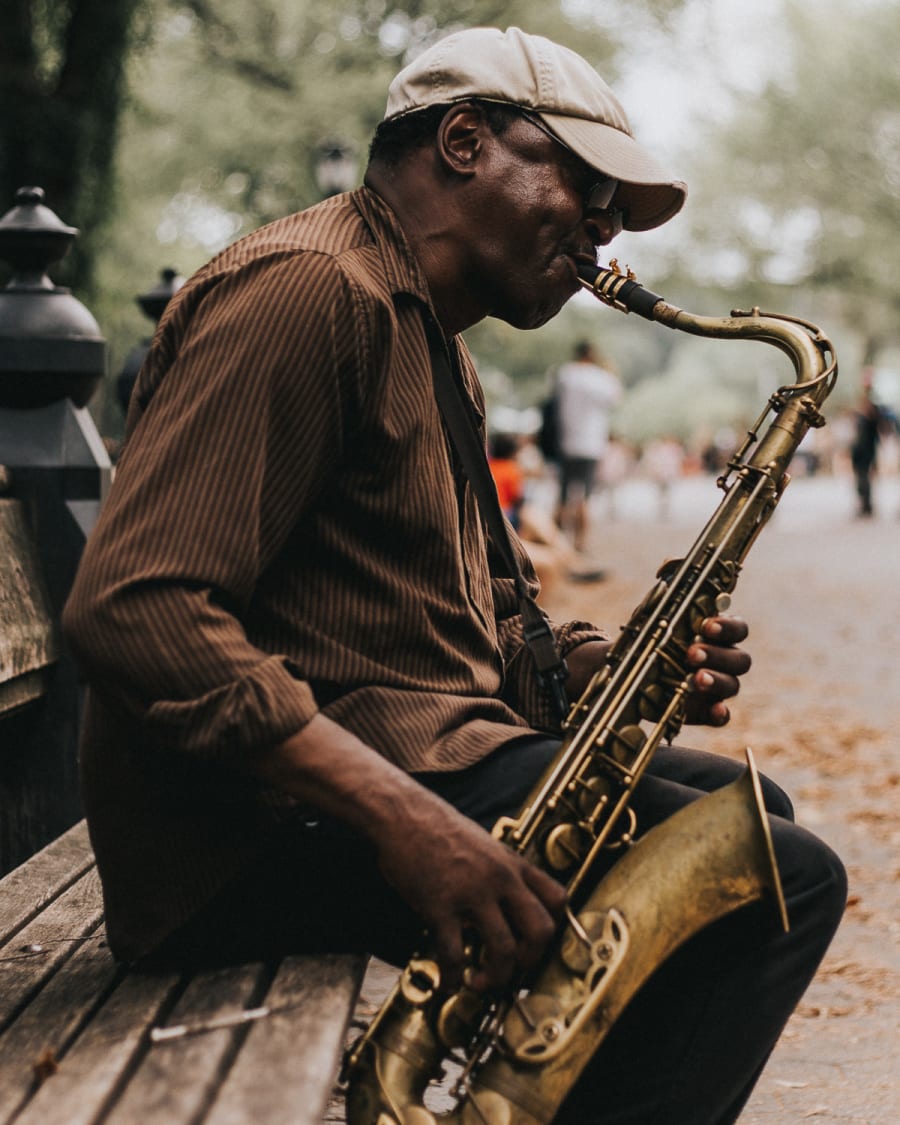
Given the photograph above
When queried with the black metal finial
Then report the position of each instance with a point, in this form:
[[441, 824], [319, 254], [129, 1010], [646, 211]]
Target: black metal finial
[[50, 345], [32, 237]]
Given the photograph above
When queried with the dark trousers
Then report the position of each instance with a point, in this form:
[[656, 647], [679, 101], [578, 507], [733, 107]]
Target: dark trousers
[[690, 1045], [862, 473]]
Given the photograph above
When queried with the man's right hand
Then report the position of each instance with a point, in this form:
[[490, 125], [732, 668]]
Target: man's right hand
[[452, 873], [464, 884]]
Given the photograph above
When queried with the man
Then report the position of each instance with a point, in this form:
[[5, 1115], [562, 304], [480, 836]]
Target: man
[[587, 392], [309, 693], [872, 421]]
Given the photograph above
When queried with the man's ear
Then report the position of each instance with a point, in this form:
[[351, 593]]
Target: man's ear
[[460, 138]]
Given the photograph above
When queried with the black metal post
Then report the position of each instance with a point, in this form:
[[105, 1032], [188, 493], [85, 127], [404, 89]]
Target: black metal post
[[56, 473]]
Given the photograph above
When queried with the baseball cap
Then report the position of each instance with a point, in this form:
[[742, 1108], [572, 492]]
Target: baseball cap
[[559, 86]]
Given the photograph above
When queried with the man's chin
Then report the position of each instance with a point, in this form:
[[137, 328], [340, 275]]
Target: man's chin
[[534, 315]]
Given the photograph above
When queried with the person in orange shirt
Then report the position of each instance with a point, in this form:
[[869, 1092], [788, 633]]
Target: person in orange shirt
[[508, 476]]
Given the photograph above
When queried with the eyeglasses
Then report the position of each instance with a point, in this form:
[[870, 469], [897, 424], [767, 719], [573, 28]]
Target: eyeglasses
[[599, 196]]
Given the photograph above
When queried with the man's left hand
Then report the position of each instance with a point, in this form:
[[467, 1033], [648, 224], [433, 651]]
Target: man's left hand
[[718, 663], [715, 659]]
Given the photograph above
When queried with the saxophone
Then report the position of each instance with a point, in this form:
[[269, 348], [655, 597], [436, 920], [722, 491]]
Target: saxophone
[[518, 1054]]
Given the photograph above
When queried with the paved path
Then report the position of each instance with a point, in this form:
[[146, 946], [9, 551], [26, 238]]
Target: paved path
[[821, 710]]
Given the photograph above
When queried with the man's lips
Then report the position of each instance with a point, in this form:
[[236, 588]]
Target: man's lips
[[585, 257], [579, 258]]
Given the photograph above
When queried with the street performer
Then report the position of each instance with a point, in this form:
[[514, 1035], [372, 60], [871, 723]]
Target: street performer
[[309, 694]]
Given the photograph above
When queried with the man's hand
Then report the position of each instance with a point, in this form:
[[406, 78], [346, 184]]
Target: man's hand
[[452, 873], [465, 884], [717, 661]]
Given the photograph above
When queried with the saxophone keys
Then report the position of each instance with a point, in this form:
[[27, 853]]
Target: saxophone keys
[[565, 845], [459, 1018], [419, 981], [626, 743], [608, 951], [534, 1025], [594, 795], [577, 941], [597, 945], [412, 1115]]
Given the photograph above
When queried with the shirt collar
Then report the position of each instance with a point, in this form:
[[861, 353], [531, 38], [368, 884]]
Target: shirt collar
[[402, 270]]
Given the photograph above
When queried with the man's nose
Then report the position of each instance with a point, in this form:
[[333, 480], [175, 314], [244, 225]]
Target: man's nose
[[603, 226]]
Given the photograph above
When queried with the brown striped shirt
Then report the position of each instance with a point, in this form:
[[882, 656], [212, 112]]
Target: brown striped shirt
[[286, 534]]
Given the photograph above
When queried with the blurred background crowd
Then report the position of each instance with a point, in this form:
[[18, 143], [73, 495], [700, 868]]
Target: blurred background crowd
[[560, 511]]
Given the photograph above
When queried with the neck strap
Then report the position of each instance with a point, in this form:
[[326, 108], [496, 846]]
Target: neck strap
[[462, 427]]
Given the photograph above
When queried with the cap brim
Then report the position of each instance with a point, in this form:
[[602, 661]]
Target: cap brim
[[647, 192]]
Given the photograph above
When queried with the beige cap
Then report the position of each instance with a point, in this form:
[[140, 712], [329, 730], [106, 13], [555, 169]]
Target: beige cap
[[562, 88]]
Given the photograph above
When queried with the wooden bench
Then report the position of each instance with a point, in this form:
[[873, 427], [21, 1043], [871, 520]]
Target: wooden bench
[[83, 1040]]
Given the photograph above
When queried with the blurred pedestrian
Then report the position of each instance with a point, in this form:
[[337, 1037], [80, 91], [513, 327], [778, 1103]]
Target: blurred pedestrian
[[553, 555], [873, 421], [508, 475], [587, 392], [663, 462]]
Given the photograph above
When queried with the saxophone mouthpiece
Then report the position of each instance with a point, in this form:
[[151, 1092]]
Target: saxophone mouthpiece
[[588, 273], [619, 290]]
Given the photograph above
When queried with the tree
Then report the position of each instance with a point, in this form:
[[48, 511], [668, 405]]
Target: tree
[[62, 67], [806, 178], [165, 128]]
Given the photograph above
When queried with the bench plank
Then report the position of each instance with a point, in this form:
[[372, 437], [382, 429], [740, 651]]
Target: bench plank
[[278, 1075], [46, 1028], [96, 1066], [76, 1042], [29, 958], [27, 889], [177, 1080]]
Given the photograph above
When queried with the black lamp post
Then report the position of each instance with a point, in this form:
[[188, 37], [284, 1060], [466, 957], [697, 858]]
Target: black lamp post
[[56, 472], [50, 345], [336, 166], [152, 305]]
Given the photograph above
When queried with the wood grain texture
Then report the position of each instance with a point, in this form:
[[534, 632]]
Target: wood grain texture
[[284, 1072], [28, 888], [178, 1080], [76, 1042]]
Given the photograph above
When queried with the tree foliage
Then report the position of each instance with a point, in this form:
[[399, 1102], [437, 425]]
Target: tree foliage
[[801, 191], [62, 67], [166, 128]]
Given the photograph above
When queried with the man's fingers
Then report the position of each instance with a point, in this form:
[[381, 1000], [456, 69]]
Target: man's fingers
[[498, 955], [724, 630], [717, 685], [551, 893], [508, 934], [712, 658], [449, 951]]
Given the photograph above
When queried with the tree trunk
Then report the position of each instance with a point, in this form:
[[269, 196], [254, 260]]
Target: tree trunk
[[61, 79]]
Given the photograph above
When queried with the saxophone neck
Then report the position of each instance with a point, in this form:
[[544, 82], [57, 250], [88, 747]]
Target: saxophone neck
[[810, 351]]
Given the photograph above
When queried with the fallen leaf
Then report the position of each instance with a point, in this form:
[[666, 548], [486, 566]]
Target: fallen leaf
[[45, 1065]]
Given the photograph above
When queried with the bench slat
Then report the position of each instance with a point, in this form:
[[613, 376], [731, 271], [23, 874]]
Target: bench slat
[[91, 1073], [68, 1010], [277, 1077], [51, 1021], [74, 916], [177, 1080], [27, 889]]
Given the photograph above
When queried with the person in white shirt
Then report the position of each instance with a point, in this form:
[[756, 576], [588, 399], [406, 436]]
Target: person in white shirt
[[587, 392]]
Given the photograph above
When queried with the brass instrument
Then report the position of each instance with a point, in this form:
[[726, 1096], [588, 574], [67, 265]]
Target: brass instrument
[[520, 1053]]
